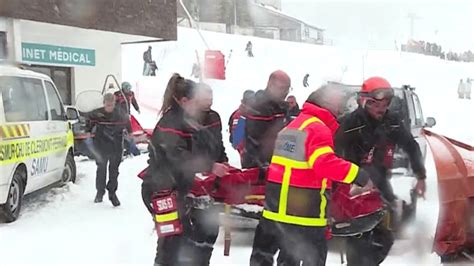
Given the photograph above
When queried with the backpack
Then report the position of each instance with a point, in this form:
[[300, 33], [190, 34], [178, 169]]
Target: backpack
[[238, 134]]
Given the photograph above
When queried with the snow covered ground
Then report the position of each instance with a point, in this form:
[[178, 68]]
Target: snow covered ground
[[64, 226]]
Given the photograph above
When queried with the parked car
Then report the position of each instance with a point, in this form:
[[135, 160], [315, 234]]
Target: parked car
[[36, 139]]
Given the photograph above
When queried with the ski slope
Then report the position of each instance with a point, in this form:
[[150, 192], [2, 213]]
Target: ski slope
[[64, 226]]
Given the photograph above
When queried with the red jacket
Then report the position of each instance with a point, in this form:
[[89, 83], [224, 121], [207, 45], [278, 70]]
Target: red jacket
[[303, 168]]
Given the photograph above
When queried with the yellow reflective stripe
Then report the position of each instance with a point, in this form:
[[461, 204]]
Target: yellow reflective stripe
[[322, 207], [20, 128], [13, 131], [290, 219], [285, 186], [6, 132], [288, 162], [27, 129], [166, 217], [352, 174], [309, 121], [17, 150], [318, 152], [255, 197], [70, 138]]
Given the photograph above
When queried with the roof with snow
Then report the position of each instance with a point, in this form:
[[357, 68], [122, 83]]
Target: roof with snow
[[279, 13]]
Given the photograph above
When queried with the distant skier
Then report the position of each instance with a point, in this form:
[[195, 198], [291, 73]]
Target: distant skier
[[249, 49], [305, 81], [147, 61], [467, 89], [153, 68], [196, 71], [461, 89]]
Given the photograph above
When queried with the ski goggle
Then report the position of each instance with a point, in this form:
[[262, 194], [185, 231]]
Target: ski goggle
[[377, 104], [379, 94]]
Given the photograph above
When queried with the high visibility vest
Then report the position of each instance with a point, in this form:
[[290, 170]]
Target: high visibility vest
[[303, 169]]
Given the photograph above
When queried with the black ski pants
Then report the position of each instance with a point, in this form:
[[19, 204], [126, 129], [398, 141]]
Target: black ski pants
[[371, 248], [195, 245], [296, 243], [111, 158]]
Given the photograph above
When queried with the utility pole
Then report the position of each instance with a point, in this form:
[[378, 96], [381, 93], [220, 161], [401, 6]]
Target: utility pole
[[412, 17]]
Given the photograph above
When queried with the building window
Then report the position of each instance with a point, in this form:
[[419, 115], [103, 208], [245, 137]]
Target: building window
[[3, 45]]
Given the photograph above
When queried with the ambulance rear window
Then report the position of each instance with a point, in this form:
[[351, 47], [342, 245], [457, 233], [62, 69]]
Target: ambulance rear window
[[23, 99]]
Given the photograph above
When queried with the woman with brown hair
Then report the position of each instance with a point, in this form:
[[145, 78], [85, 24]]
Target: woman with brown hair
[[171, 171]]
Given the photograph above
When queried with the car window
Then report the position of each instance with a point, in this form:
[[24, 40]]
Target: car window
[[418, 113], [411, 111], [23, 99], [56, 108]]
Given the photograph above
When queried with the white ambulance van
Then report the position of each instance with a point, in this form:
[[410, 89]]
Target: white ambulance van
[[36, 140]]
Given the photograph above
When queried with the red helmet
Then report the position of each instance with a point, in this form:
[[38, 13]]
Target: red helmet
[[377, 88], [375, 96]]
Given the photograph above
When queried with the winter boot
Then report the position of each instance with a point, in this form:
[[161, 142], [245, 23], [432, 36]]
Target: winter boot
[[98, 197], [113, 198]]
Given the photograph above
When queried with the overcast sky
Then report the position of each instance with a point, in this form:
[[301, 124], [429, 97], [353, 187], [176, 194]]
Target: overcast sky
[[378, 23]]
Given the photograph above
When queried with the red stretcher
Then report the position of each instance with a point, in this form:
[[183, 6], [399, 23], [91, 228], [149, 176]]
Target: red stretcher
[[247, 186], [139, 134]]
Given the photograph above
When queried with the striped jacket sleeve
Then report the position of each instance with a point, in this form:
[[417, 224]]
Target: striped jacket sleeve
[[325, 163]]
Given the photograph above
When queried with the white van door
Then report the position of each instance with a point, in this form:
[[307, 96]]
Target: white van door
[[58, 128], [24, 130]]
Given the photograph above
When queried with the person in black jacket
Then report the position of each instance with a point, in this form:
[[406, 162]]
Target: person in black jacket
[[108, 124], [174, 161], [209, 145], [294, 108], [126, 97], [265, 119], [211, 126], [367, 137]]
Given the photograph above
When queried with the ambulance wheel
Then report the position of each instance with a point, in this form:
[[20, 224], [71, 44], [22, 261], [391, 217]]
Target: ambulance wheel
[[10, 211], [69, 173]]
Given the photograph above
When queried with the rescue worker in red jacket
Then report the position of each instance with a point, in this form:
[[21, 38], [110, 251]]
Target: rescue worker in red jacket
[[367, 137], [300, 176], [173, 164]]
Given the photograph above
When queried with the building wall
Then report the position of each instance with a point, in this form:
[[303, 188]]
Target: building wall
[[107, 47], [155, 18], [217, 27], [243, 31]]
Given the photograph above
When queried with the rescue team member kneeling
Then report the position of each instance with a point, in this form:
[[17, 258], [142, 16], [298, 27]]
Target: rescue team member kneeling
[[172, 167], [300, 175], [108, 124]]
